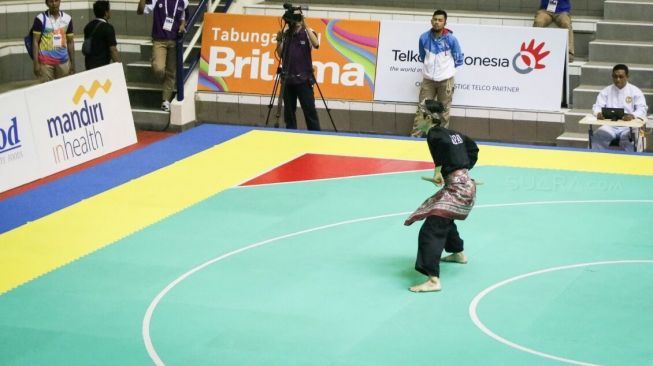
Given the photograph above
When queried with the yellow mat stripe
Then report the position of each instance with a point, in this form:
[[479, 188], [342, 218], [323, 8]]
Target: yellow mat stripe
[[55, 240]]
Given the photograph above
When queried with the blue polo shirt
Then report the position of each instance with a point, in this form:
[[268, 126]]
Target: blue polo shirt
[[564, 6]]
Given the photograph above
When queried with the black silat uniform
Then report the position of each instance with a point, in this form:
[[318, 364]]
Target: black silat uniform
[[451, 150]]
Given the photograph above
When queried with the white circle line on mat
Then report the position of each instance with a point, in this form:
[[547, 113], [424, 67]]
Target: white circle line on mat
[[473, 306], [147, 319]]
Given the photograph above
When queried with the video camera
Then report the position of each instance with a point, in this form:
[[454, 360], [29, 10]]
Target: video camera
[[293, 14]]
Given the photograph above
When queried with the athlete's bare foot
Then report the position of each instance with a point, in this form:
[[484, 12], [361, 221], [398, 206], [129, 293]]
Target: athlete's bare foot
[[455, 258], [431, 285]]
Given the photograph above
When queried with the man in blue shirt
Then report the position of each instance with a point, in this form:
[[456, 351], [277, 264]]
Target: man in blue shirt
[[440, 52], [557, 11]]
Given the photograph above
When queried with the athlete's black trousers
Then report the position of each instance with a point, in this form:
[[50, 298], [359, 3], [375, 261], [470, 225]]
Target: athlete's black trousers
[[437, 234]]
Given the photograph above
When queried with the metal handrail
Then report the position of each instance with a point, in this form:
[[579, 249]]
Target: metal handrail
[[182, 55]]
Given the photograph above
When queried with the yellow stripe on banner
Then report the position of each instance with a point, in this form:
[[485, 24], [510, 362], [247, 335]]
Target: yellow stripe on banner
[[39, 247]]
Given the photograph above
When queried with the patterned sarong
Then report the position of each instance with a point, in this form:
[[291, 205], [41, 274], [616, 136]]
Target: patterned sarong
[[454, 201]]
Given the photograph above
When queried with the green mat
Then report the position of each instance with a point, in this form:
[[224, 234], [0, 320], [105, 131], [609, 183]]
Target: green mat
[[324, 275]]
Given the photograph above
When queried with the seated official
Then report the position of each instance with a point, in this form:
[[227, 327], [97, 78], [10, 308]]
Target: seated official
[[621, 94]]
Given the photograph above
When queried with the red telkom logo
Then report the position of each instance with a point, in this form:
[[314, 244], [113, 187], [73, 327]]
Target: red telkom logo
[[528, 58]]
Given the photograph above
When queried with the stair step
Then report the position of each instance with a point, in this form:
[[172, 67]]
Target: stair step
[[598, 73], [574, 136], [572, 139], [151, 119], [624, 30], [144, 95], [628, 9], [146, 50], [141, 72], [621, 51], [585, 95]]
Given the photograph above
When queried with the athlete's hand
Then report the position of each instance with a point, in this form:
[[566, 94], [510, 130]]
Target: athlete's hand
[[438, 180]]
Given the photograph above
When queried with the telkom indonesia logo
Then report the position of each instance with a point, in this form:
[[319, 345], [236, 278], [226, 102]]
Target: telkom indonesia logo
[[530, 57]]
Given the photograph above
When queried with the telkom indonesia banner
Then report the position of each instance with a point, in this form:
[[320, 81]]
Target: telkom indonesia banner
[[238, 55], [505, 67], [53, 126]]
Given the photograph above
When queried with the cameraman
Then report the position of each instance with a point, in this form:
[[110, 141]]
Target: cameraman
[[294, 47]]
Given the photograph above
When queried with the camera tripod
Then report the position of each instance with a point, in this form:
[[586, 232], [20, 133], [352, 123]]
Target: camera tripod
[[280, 80]]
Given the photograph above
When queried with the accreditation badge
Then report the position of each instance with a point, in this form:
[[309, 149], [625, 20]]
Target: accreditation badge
[[167, 24], [57, 39], [553, 4]]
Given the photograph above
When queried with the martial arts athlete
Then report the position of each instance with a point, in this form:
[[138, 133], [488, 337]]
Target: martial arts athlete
[[454, 154]]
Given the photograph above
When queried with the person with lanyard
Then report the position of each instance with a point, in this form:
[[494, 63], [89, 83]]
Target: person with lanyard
[[53, 43], [454, 154], [440, 52], [169, 20], [294, 47], [103, 37], [557, 11], [620, 94]]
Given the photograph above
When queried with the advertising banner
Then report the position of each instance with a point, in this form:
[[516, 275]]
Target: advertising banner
[[504, 67], [238, 55], [18, 160], [80, 117]]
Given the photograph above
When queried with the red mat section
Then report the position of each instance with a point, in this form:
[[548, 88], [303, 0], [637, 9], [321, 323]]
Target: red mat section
[[316, 166]]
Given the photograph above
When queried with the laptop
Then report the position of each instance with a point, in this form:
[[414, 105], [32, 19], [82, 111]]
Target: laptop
[[613, 114]]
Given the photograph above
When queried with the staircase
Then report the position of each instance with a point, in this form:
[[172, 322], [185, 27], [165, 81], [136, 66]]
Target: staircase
[[625, 35], [145, 92]]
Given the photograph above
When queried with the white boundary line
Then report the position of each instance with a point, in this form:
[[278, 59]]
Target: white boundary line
[[150, 310], [147, 319], [477, 299]]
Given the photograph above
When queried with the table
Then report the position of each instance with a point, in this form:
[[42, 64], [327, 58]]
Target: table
[[637, 123]]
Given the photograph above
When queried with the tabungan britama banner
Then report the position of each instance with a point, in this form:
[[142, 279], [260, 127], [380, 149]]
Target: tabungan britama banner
[[238, 55], [504, 67]]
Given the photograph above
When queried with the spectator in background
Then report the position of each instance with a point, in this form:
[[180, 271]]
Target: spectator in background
[[169, 20], [441, 54], [621, 94], [103, 37], [54, 48], [557, 11]]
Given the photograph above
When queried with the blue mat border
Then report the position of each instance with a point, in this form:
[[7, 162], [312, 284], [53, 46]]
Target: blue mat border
[[68, 190]]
